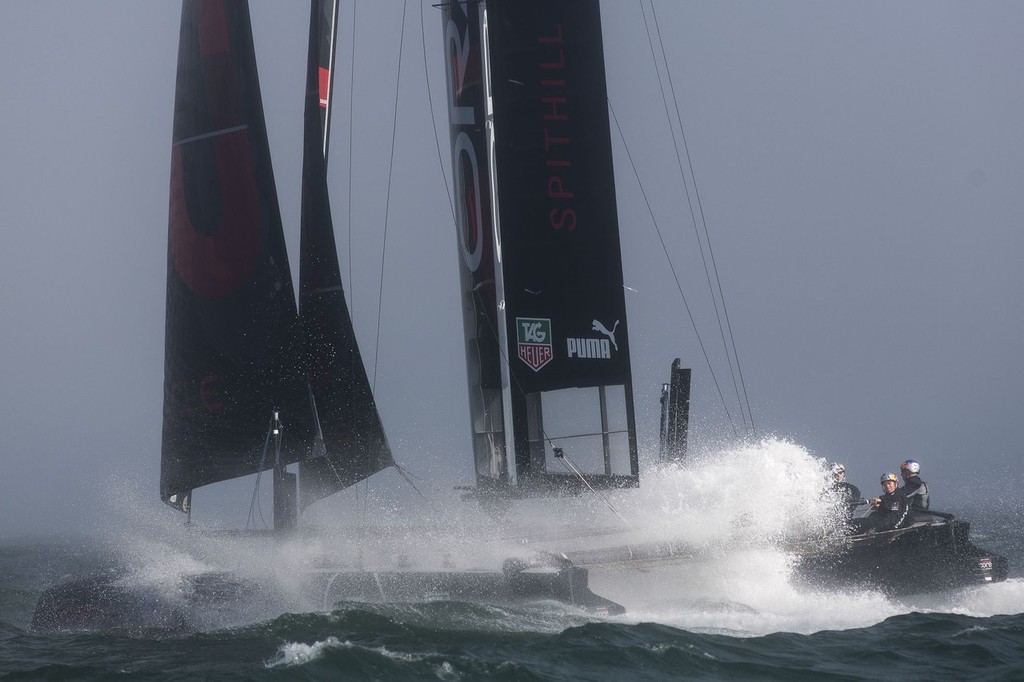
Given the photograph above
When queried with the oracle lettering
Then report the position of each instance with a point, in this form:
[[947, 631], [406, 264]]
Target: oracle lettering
[[459, 58], [469, 213]]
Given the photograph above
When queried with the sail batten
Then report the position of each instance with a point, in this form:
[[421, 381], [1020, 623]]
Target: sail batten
[[214, 133]]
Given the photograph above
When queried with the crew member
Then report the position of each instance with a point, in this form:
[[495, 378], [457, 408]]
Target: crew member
[[914, 488], [848, 492], [890, 510]]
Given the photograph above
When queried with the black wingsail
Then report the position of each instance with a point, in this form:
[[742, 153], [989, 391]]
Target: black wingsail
[[353, 438], [231, 346], [542, 273]]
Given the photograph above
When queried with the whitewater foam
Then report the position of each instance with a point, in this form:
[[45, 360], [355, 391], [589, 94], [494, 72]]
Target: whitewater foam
[[736, 510], [299, 653]]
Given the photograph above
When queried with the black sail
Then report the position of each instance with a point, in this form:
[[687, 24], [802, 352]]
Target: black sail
[[231, 346], [558, 272], [353, 437]]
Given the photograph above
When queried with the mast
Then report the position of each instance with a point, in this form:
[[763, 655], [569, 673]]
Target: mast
[[478, 255], [324, 20]]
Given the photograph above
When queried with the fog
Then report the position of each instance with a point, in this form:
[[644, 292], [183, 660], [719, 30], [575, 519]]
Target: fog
[[859, 167]]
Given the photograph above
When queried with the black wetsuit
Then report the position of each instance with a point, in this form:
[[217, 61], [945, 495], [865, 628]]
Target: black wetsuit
[[850, 492], [917, 493], [891, 512], [850, 496]]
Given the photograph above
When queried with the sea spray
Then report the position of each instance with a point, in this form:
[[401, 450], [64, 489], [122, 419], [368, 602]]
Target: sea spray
[[754, 493], [732, 507], [738, 510], [732, 517]]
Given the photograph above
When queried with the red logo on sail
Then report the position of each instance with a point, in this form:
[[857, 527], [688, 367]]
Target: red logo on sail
[[533, 335]]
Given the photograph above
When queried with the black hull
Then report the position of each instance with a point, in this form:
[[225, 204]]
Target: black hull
[[935, 553], [518, 582], [107, 603]]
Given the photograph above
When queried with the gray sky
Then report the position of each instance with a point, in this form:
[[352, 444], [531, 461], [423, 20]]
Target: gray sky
[[860, 166]]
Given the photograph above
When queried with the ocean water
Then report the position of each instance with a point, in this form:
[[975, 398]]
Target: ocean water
[[742, 618]]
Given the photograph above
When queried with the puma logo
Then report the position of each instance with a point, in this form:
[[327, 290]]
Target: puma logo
[[598, 327]]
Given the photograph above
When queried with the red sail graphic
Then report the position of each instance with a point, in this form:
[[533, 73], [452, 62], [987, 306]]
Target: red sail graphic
[[231, 347]]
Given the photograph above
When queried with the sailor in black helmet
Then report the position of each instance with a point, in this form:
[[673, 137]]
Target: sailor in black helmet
[[913, 487]]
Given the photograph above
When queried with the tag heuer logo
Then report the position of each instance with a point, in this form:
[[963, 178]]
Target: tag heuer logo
[[534, 340]]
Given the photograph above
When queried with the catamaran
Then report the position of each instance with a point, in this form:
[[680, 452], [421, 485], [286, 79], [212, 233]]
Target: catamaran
[[254, 382]]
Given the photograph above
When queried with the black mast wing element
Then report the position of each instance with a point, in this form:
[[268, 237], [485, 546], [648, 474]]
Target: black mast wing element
[[323, 33], [546, 256], [675, 413], [353, 437], [476, 241], [231, 346]]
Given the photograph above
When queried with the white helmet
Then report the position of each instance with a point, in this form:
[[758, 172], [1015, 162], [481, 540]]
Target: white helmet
[[911, 466]]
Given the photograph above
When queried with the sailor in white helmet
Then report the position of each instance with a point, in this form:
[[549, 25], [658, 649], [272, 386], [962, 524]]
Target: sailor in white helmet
[[914, 488]]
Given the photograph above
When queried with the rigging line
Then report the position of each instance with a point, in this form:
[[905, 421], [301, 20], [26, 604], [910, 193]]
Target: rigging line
[[707, 234], [571, 466], [364, 513], [672, 267], [387, 199], [329, 103], [351, 103], [689, 199], [406, 475], [433, 121], [254, 502], [351, 276], [332, 467]]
